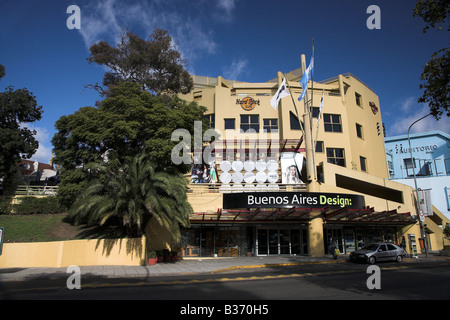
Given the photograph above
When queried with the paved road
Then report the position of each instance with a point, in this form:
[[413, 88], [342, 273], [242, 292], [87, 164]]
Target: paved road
[[407, 281]]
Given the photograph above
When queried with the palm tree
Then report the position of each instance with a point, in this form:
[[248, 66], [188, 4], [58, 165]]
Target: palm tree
[[131, 195]]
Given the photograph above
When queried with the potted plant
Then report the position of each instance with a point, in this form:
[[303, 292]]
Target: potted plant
[[174, 255], [167, 255], [152, 259], [160, 256]]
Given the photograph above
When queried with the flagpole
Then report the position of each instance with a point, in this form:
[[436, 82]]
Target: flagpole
[[308, 132], [295, 106], [318, 119], [310, 114]]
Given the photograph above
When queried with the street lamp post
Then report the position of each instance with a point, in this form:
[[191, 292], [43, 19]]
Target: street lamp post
[[413, 164]]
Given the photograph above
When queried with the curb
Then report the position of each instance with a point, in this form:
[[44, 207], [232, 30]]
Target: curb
[[275, 265]]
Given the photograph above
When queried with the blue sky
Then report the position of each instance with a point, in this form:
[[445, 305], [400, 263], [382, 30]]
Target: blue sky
[[247, 40]]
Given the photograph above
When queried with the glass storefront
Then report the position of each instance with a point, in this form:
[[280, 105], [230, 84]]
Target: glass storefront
[[217, 241], [235, 241], [267, 240], [281, 241], [353, 238]]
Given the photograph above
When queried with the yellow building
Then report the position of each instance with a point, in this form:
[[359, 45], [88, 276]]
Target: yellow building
[[243, 198]]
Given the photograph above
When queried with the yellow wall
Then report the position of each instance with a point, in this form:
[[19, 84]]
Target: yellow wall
[[221, 100], [75, 252], [339, 98], [315, 237]]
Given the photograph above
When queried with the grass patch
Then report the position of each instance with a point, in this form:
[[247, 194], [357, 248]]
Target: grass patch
[[37, 228]]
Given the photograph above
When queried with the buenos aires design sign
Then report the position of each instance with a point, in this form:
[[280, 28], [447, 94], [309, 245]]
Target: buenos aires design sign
[[292, 199]]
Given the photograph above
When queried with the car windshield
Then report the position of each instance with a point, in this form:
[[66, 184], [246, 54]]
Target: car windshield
[[372, 246]]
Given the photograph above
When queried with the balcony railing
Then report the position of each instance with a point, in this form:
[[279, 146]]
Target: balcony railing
[[36, 190], [198, 188]]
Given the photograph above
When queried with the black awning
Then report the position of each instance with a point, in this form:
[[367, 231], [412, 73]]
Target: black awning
[[341, 215], [368, 215]]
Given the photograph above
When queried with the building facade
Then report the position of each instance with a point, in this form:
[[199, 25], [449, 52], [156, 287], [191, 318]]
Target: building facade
[[427, 163], [292, 179]]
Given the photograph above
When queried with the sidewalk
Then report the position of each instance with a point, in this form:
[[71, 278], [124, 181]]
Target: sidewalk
[[185, 266]]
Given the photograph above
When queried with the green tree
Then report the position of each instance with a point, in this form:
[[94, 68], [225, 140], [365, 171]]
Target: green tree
[[436, 74], [132, 195], [447, 231], [17, 107], [154, 64], [128, 122]]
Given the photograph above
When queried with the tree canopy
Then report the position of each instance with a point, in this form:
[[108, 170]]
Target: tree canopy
[[436, 73], [116, 157], [17, 108], [153, 64], [129, 196], [130, 121]]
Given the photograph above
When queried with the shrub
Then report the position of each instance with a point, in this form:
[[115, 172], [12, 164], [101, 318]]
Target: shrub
[[5, 205], [34, 205]]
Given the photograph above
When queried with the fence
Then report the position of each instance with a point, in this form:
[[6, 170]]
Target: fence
[[26, 190]]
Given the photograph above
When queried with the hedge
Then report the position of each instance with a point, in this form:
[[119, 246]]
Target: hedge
[[5, 205], [34, 205]]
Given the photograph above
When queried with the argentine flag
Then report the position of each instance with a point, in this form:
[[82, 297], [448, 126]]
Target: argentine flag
[[305, 78]]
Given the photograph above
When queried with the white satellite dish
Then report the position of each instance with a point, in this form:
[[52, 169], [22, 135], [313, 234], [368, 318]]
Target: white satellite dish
[[249, 177], [237, 177], [225, 177], [272, 165], [261, 177], [225, 166], [249, 165], [272, 177], [261, 165], [237, 165]]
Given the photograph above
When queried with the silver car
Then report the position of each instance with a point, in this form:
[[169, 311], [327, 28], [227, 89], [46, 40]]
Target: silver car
[[375, 252]]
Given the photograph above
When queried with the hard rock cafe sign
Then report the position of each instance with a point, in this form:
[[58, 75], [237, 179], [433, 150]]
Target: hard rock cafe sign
[[248, 103]]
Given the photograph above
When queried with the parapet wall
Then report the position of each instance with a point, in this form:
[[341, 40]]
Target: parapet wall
[[75, 252]]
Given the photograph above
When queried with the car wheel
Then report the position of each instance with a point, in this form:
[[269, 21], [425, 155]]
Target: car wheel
[[372, 260], [399, 259]]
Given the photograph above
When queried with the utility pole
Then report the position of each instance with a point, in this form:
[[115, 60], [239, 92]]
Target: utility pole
[[419, 207]]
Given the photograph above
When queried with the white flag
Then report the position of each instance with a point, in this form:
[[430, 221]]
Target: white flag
[[281, 93], [320, 109]]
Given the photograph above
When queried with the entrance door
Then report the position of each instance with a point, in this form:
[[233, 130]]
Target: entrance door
[[262, 246], [276, 241], [335, 234], [273, 241], [295, 241], [285, 241]]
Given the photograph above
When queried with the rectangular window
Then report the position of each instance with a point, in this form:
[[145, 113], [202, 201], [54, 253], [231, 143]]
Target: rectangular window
[[270, 125], [315, 112], [359, 131], [332, 122], [336, 156], [409, 164], [197, 96], [319, 146], [230, 124], [211, 120], [250, 122], [358, 99], [447, 193], [363, 162], [295, 124]]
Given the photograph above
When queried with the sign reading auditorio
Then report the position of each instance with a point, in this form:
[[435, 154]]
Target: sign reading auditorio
[[292, 199]]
